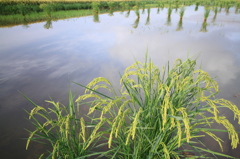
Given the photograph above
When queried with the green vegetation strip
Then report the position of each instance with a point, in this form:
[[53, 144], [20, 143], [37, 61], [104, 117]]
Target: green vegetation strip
[[13, 20]]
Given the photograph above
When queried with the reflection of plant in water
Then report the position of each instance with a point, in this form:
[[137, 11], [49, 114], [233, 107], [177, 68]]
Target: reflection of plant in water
[[48, 24], [168, 22], [127, 14], [180, 25], [204, 27], [96, 17], [148, 17], [110, 13], [135, 24]]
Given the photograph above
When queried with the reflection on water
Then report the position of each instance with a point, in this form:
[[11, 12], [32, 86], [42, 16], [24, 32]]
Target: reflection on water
[[48, 24], [96, 17], [40, 62], [148, 17], [204, 27], [180, 25]]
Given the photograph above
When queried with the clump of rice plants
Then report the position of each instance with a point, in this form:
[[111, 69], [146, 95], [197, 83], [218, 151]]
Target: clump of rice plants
[[169, 12], [196, 7], [63, 130], [122, 5], [48, 8], [159, 110], [154, 114], [206, 13], [237, 7], [215, 13], [181, 13], [95, 6], [143, 7], [227, 7], [127, 6], [137, 13], [110, 5]]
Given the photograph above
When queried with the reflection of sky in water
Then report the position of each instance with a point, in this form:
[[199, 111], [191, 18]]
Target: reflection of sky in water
[[82, 49]]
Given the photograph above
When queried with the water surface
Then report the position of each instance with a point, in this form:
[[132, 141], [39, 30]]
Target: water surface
[[41, 62]]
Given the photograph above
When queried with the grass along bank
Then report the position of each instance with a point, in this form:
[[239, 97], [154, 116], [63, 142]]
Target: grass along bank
[[154, 114]]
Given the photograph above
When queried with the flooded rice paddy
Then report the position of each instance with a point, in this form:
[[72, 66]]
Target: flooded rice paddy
[[41, 59]]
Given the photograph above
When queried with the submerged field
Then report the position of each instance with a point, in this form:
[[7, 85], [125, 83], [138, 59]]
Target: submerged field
[[164, 101], [24, 12]]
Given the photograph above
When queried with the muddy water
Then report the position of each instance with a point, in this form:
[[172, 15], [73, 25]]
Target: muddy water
[[40, 60]]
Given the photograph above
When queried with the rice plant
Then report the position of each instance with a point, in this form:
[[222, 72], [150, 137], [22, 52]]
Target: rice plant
[[215, 13], [95, 7], [136, 22], [196, 7], [206, 13], [158, 111], [182, 10], [63, 130], [122, 5], [47, 8], [143, 7], [227, 7], [137, 13], [169, 11], [237, 7]]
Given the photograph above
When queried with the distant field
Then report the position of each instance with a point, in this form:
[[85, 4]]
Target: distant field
[[96, 0], [68, 0]]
